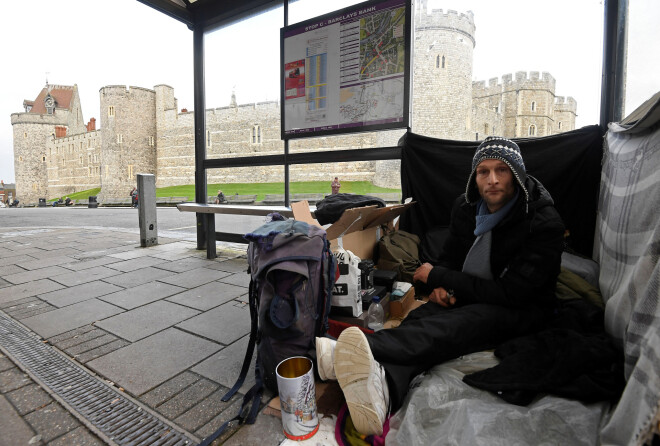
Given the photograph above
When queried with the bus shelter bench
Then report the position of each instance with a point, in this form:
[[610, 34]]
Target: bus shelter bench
[[311, 198], [208, 212], [241, 199]]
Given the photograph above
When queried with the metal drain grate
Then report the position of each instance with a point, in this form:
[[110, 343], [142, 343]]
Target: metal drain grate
[[115, 416]]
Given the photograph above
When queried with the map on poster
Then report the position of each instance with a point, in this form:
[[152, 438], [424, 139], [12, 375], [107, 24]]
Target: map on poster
[[347, 71]]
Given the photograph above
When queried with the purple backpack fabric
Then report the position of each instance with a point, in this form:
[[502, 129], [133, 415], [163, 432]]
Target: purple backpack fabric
[[292, 273]]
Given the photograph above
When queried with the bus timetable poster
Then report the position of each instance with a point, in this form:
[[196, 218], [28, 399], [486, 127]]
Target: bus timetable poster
[[347, 71]]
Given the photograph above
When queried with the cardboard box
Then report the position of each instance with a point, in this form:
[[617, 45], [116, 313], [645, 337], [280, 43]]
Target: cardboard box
[[358, 229], [401, 307]]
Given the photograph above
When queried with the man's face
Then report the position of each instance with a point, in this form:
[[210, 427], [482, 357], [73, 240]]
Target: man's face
[[495, 183]]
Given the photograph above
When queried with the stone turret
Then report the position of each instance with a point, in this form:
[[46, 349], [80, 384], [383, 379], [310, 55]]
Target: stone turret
[[128, 137], [442, 93]]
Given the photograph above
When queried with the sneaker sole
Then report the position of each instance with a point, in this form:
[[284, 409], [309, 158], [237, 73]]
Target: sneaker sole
[[355, 370], [323, 358]]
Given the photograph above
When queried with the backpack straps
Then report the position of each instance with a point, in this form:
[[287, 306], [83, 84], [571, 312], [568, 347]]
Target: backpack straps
[[253, 339]]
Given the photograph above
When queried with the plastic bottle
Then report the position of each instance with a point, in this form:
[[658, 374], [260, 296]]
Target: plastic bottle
[[375, 314]]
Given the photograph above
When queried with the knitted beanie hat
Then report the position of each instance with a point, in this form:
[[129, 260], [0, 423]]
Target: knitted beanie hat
[[498, 148]]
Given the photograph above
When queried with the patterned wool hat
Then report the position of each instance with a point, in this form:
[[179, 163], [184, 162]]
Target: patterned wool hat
[[498, 148]]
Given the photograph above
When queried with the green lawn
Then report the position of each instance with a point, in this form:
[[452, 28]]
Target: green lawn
[[80, 195], [260, 189]]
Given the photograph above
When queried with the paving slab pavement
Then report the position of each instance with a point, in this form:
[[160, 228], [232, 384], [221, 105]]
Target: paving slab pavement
[[166, 325]]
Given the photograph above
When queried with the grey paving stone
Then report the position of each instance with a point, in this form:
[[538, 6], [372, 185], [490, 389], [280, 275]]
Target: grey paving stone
[[208, 296], [83, 347], [42, 273], [51, 421], [224, 324], [77, 437], [186, 264], [29, 398], [204, 411], [73, 333], [67, 318], [213, 425], [194, 278], [144, 321], [231, 265], [102, 350], [266, 431], [28, 310], [5, 363], [10, 269], [142, 294], [225, 366], [79, 293], [171, 255], [58, 251], [84, 276], [238, 279], [12, 379], [13, 429], [143, 365], [44, 262], [18, 257], [79, 339], [187, 399], [169, 388], [4, 283], [28, 289], [79, 265], [139, 277], [135, 264]]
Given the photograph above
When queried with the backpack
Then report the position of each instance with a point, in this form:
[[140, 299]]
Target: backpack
[[292, 273], [399, 251]]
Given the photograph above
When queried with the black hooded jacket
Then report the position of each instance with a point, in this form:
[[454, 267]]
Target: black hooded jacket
[[525, 253]]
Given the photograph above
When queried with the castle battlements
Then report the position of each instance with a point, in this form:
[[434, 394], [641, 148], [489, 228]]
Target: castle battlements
[[437, 19]]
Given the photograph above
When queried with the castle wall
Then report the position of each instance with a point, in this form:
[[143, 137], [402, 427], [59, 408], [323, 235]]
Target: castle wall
[[128, 138], [73, 163], [142, 130]]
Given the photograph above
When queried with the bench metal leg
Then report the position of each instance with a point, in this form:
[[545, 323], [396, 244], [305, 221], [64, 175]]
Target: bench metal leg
[[209, 225]]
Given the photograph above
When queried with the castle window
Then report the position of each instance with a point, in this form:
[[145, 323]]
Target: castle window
[[20, 159], [559, 125], [43, 158], [533, 105], [256, 134], [151, 141], [24, 134], [208, 138], [486, 129], [497, 109], [532, 130], [96, 158], [130, 171], [89, 174], [443, 61], [120, 138], [81, 159], [111, 111]]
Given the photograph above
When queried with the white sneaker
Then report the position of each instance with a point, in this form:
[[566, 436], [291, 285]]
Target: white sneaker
[[325, 355], [362, 379]]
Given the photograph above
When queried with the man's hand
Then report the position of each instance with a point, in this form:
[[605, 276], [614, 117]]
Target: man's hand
[[442, 297], [422, 273]]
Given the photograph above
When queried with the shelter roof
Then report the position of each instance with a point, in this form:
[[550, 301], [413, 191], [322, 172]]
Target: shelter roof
[[210, 14]]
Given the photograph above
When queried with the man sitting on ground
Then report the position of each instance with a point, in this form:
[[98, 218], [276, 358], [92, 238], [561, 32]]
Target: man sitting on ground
[[495, 281]]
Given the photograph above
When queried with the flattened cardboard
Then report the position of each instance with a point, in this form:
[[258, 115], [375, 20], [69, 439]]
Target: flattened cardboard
[[357, 228]]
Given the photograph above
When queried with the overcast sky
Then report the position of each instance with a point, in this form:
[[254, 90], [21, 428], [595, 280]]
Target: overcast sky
[[94, 43]]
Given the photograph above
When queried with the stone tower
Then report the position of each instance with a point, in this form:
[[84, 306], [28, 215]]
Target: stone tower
[[442, 73], [128, 137], [565, 113], [55, 106], [528, 104]]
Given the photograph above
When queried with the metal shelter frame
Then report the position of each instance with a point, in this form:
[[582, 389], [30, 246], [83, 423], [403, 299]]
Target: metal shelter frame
[[202, 16]]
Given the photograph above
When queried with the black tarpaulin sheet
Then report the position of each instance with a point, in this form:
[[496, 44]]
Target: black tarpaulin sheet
[[435, 171]]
